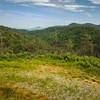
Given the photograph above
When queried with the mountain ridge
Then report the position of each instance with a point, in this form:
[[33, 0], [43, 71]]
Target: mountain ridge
[[81, 39], [85, 24]]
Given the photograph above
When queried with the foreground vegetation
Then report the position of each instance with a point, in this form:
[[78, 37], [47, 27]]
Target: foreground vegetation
[[49, 77]]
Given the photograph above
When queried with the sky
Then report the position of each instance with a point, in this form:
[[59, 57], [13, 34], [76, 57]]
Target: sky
[[25, 14]]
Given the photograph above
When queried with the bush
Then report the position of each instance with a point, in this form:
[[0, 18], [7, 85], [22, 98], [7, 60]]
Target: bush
[[84, 61], [9, 56], [93, 70]]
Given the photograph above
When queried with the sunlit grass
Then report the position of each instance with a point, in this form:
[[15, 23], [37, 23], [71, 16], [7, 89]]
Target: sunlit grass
[[51, 78]]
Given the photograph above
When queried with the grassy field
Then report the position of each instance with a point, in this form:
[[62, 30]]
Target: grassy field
[[46, 78]]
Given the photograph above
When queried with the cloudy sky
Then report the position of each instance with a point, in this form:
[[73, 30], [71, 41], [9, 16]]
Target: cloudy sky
[[32, 13]]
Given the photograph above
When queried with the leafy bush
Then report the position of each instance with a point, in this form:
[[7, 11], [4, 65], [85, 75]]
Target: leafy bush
[[9, 56], [93, 70], [84, 61]]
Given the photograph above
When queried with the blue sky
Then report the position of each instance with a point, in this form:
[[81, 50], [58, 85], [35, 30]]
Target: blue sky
[[32, 13]]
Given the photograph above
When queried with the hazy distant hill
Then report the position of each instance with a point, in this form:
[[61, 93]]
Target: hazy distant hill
[[22, 30], [86, 24], [43, 33], [70, 25], [35, 28], [31, 29]]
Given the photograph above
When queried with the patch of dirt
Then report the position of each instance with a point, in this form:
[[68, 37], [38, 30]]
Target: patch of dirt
[[8, 91], [57, 69], [52, 69], [42, 98], [92, 82]]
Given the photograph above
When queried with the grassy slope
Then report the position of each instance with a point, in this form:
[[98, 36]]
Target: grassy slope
[[45, 78]]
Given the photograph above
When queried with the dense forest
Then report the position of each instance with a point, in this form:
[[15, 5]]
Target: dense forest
[[75, 38], [13, 41]]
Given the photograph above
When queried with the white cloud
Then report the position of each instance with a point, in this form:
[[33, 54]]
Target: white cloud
[[46, 4], [63, 4], [68, 1], [28, 0], [95, 1], [76, 8], [73, 8], [25, 5]]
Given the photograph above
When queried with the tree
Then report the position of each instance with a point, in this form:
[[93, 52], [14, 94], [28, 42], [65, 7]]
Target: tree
[[86, 46], [1, 42], [69, 45]]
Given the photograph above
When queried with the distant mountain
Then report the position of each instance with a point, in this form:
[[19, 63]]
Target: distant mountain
[[86, 24], [22, 30], [31, 29], [44, 33], [39, 28], [35, 28]]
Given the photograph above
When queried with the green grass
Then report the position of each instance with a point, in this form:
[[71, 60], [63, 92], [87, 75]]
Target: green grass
[[54, 79]]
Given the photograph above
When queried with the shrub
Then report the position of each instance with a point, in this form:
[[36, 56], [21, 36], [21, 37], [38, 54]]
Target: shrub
[[12, 56], [84, 61]]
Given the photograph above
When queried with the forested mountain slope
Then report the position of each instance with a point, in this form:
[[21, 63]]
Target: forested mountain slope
[[83, 40], [13, 41]]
